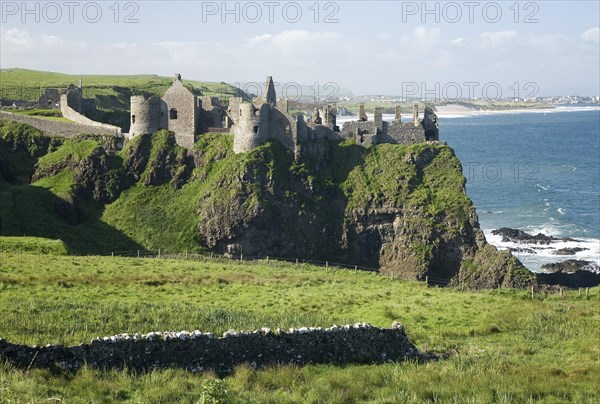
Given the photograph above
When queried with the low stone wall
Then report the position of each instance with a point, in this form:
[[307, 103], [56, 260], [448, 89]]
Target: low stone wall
[[197, 351], [65, 129]]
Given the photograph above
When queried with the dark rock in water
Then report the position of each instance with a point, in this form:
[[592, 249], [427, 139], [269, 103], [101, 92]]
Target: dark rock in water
[[568, 266], [523, 250], [572, 274], [515, 235], [569, 251]]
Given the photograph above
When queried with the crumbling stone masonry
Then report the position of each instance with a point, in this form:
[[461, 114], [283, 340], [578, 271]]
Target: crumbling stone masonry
[[197, 351], [267, 118], [178, 110], [264, 119], [72, 105]]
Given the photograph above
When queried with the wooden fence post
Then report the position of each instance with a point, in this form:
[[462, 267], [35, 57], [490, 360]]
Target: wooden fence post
[[532, 293]]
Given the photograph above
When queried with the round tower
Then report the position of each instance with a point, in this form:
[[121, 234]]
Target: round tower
[[247, 130], [147, 115]]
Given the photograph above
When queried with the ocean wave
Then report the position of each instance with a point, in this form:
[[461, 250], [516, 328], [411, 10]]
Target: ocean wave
[[534, 256], [543, 187], [561, 211]]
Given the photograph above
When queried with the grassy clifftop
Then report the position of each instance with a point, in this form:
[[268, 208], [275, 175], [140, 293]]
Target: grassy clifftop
[[399, 208]]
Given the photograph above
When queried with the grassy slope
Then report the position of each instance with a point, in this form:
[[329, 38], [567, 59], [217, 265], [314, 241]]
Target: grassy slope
[[505, 347], [32, 245], [170, 218], [101, 87]]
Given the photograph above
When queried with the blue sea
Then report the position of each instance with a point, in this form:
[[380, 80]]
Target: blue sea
[[534, 171]]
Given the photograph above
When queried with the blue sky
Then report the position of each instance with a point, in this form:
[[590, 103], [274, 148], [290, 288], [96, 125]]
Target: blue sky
[[377, 47]]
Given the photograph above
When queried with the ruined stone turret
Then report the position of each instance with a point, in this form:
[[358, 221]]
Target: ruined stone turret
[[248, 132], [270, 92], [147, 115]]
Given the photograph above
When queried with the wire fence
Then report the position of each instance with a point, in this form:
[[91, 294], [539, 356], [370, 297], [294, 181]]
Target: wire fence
[[257, 259], [188, 255], [274, 261]]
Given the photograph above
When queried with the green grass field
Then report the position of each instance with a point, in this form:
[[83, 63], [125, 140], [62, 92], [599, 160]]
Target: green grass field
[[504, 347], [50, 114], [24, 84]]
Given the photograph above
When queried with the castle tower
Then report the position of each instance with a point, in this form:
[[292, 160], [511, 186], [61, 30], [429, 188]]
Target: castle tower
[[147, 115], [248, 130], [183, 116], [271, 97]]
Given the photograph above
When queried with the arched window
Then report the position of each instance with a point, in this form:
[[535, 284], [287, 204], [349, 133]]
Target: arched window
[[173, 113]]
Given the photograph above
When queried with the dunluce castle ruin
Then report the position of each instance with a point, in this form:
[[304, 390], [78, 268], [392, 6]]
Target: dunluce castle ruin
[[267, 118], [252, 123]]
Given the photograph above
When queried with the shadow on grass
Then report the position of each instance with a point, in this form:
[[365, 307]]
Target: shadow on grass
[[28, 210]]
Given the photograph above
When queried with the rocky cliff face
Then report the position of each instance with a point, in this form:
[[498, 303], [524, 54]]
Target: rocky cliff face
[[400, 209]]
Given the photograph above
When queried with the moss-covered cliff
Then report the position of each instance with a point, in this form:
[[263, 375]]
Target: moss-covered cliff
[[402, 209]]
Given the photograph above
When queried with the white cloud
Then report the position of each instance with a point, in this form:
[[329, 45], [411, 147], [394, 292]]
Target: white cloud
[[487, 40], [14, 39], [497, 39], [591, 35], [380, 63]]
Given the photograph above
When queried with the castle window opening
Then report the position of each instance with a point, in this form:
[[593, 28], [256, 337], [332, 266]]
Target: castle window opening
[[255, 129], [173, 113], [132, 118]]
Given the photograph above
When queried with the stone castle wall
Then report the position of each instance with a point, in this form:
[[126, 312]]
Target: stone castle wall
[[64, 129], [183, 114], [72, 114], [198, 351]]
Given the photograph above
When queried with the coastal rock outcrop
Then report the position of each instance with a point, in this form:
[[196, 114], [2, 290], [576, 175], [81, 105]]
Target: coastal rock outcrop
[[515, 235], [571, 273]]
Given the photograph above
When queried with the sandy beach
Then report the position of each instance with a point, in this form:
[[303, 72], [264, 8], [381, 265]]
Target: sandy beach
[[457, 110]]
